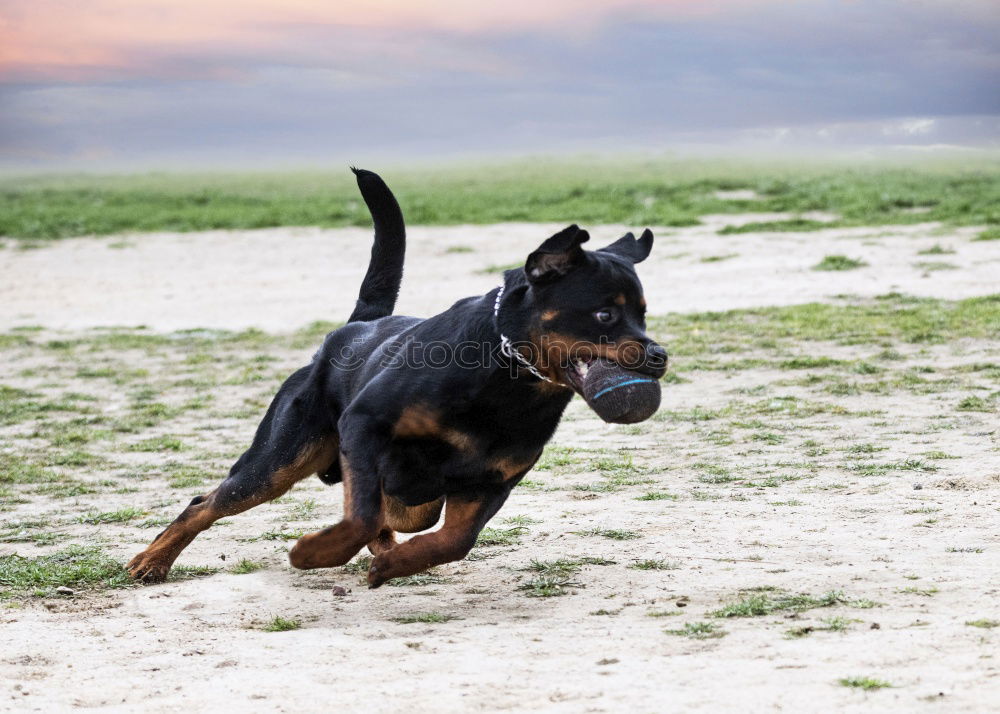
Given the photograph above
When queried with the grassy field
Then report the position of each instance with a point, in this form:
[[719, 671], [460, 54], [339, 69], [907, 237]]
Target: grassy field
[[811, 515], [162, 432], [817, 487], [662, 192]]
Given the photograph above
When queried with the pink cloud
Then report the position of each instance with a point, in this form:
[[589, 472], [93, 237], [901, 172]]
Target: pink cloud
[[53, 39]]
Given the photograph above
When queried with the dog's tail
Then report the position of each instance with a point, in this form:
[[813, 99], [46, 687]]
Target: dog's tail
[[380, 288]]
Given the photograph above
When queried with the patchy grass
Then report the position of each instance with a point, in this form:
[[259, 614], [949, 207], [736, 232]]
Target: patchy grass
[[654, 565], [417, 580], [500, 536], [936, 249], [868, 684], [791, 225], [983, 623], [561, 567], [974, 404], [874, 322], [839, 262], [244, 567], [281, 624], [359, 566], [122, 515], [759, 604], [186, 572], [699, 631], [932, 266], [612, 533], [548, 586], [76, 567], [157, 444], [657, 496]]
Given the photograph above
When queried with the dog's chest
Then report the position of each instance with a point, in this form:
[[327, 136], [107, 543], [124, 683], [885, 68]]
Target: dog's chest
[[437, 452]]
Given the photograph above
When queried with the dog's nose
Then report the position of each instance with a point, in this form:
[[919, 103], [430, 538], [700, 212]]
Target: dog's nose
[[656, 358]]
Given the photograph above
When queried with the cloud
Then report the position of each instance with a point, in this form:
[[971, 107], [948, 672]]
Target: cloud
[[293, 82], [909, 127], [115, 39]]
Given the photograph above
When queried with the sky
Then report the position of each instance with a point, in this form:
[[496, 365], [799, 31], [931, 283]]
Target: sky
[[241, 83]]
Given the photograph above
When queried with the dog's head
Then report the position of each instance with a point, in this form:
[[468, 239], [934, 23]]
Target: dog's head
[[589, 305]]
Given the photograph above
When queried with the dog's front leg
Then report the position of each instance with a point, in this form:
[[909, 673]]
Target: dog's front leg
[[362, 439], [464, 517]]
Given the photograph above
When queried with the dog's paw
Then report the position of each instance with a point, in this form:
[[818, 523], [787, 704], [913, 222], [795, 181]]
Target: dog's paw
[[145, 569], [378, 571], [375, 578]]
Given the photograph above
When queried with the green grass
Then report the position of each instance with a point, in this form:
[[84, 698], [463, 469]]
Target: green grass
[[158, 443], [281, 624], [698, 631], [792, 224], [417, 580], [612, 533], [564, 567], [20, 405], [634, 192], [759, 604], [866, 683], [186, 572], [122, 515], [75, 567], [974, 404], [983, 623], [244, 567], [555, 457], [936, 249], [188, 477], [657, 496], [500, 536], [889, 317], [654, 565], [839, 262], [15, 470], [561, 567], [807, 362], [934, 265], [548, 586], [989, 234]]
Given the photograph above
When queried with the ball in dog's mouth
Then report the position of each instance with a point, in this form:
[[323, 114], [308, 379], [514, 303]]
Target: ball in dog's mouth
[[616, 394]]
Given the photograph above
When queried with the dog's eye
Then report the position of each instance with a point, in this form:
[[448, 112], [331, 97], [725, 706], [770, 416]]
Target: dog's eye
[[604, 316]]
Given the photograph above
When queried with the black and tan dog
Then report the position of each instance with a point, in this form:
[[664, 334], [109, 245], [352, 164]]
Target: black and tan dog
[[415, 416]]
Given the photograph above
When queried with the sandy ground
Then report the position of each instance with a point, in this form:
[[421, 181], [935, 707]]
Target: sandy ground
[[197, 644], [283, 278]]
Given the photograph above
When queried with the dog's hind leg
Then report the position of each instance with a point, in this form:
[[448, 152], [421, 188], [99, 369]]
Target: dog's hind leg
[[296, 438], [244, 488]]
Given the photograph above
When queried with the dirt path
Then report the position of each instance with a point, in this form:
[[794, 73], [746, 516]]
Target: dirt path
[[857, 489], [284, 278]]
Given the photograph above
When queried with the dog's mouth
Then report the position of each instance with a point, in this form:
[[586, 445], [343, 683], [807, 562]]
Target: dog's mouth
[[576, 372]]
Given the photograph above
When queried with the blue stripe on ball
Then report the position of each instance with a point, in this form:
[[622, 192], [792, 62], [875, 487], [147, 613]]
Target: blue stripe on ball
[[620, 384]]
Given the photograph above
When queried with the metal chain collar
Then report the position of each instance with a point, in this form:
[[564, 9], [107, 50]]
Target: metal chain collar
[[507, 347]]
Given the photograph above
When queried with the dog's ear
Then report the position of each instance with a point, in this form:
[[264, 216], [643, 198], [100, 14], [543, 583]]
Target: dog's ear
[[556, 256], [631, 249]]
